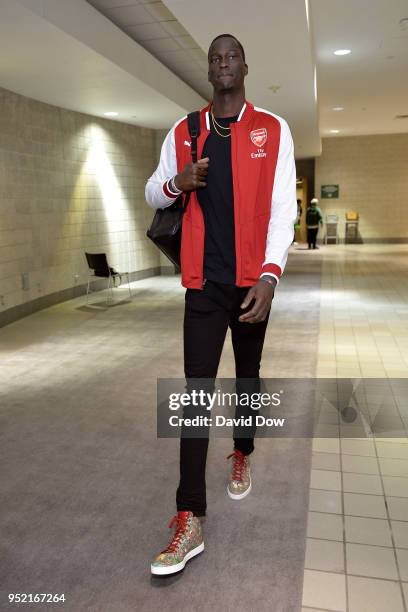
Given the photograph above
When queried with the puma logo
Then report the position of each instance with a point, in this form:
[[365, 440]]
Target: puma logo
[[187, 143]]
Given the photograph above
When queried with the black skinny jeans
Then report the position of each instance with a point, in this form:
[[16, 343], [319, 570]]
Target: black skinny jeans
[[208, 313]]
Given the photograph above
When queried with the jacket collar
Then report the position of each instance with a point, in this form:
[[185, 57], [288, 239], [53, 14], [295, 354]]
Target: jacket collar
[[243, 117]]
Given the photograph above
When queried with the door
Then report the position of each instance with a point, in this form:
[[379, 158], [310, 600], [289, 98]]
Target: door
[[301, 194]]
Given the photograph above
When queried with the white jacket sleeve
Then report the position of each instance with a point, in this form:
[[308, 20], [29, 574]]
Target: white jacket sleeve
[[283, 208], [158, 194]]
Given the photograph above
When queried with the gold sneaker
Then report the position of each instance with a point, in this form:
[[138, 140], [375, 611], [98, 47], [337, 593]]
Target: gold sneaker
[[186, 543], [240, 479]]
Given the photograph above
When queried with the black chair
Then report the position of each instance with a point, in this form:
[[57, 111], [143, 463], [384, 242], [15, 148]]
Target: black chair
[[99, 267]]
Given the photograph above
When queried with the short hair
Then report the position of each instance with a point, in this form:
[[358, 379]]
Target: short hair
[[241, 48]]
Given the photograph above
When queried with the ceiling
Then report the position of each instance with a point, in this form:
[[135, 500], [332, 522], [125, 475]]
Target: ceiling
[[153, 25], [69, 55], [372, 82], [146, 59]]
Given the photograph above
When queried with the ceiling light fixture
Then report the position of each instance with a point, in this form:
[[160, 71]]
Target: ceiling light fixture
[[338, 108], [334, 131], [111, 114], [342, 52]]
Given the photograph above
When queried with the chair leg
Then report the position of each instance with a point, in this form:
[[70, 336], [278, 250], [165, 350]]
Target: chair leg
[[110, 290], [87, 290], [128, 282]]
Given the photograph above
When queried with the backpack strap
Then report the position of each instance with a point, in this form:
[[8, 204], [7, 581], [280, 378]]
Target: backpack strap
[[193, 120]]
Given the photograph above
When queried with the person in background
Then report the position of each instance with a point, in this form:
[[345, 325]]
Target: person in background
[[298, 217], [314, 218]]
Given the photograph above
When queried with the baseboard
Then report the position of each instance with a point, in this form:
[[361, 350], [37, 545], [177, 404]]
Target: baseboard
[[401, 240], [23, 310], [168, 270]]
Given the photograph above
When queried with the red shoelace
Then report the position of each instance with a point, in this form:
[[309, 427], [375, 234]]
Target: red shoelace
[[180, 520], [239, 463]]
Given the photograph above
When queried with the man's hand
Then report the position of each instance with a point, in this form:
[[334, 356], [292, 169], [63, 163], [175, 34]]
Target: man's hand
[[193, 175], [262, 293]]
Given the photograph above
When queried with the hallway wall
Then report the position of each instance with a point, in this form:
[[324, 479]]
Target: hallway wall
[[372, 174], [69, 182], [305, 168]]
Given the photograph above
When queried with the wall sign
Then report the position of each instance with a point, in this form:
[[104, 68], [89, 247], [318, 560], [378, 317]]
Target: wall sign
[[329, 191]]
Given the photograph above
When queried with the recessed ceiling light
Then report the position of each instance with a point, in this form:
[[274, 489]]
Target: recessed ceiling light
[[334, 131], [342, 52], [338, 108], [111, 114]]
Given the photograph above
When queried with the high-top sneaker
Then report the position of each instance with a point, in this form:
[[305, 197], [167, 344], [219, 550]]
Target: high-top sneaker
[[239, 484], [186, 543]]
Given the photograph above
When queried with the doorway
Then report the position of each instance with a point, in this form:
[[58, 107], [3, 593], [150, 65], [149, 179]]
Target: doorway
[[302, 194]]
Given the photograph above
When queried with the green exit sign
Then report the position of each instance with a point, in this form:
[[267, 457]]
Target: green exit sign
[[330, 191]]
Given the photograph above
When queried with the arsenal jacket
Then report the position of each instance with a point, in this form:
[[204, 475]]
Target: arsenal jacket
[[264, 185]]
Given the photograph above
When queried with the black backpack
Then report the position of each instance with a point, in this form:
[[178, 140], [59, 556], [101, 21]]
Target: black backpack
[[165, 229], [312, 216]]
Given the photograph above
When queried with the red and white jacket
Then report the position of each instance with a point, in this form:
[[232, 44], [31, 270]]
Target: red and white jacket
[[264, 185]]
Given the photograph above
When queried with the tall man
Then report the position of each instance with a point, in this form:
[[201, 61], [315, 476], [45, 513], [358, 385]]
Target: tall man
[[235, 239]]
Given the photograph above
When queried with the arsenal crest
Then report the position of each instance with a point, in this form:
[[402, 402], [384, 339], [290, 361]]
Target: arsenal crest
[[259, 137]]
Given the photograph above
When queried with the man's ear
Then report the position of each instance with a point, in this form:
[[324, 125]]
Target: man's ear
[[246, 69]]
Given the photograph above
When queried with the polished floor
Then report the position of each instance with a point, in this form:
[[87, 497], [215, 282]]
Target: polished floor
[[88, 488], [357, 544]]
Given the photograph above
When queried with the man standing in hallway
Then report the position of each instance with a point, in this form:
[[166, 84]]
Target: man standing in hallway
[[314, 218], [237, 231]]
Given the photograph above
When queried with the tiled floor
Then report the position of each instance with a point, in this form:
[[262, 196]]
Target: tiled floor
[[357, 546]]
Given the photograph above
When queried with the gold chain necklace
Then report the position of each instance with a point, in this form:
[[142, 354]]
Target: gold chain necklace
[[215, 124], [222, 127]]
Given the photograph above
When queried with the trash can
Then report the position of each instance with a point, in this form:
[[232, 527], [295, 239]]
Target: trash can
[[351, 236]]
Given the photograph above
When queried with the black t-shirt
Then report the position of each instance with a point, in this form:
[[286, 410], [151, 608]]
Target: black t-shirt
[[217, 203]]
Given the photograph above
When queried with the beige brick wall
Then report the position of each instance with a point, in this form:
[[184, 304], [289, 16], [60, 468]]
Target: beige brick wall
[[372, 172], [69, 182]]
